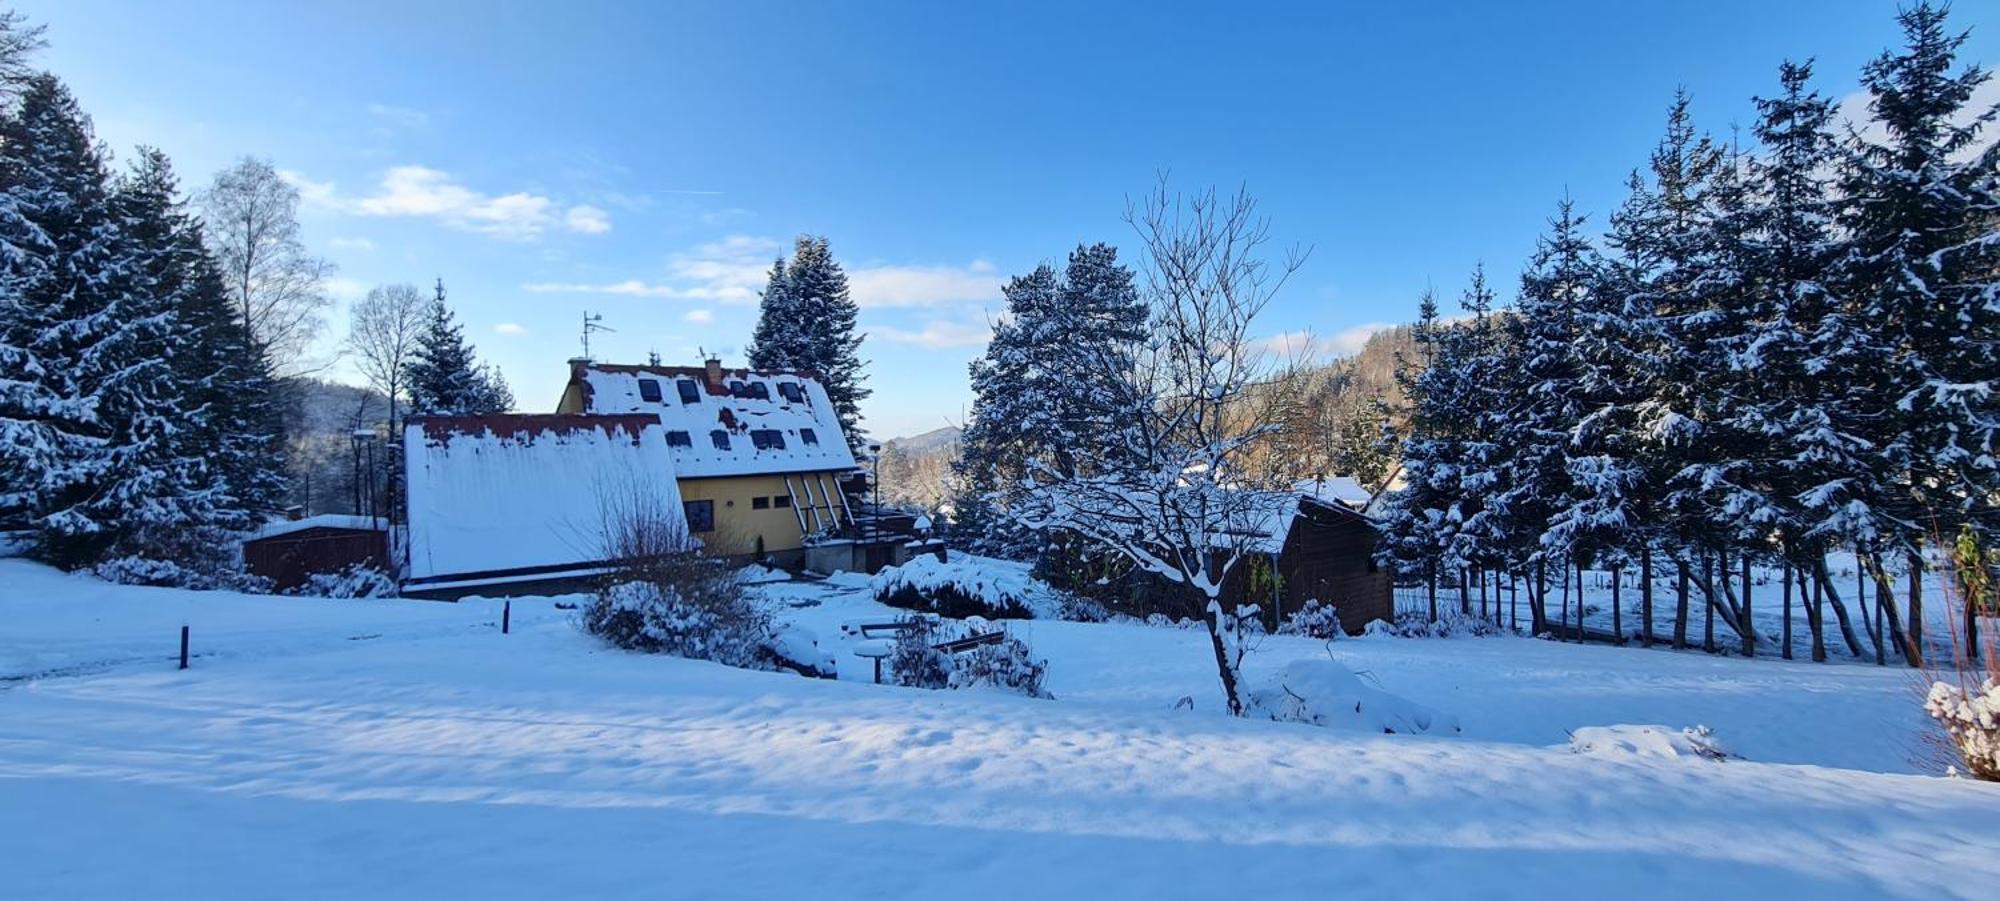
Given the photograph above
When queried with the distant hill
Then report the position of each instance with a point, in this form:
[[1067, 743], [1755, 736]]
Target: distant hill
[[916, 469], [945, 438]]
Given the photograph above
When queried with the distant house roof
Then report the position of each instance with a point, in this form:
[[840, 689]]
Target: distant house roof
[[1343, 490], [1268, 516], [341, 521], [517, 494], [724, 422]]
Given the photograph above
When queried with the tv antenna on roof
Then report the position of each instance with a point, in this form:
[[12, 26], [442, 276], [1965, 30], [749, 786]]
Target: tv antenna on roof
[[591, 323]]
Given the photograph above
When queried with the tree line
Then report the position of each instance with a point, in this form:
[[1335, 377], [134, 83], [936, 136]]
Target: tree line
[[151, 344], [1777, 350]]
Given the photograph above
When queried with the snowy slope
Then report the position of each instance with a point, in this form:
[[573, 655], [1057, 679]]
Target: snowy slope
[[441, 759]]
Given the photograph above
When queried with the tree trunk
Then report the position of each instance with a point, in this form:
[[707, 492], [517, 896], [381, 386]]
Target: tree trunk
[[1538, 600], [1646, 596], [1617, 605], [1916, 565], [1464, 592], [1708, 609], [1680, 603], [1871, 625], [1786, 633], [1749, 628], [1885, 606], [1514, 602], [1815, 617], [1562, 572], [1832, 598], [1432, 583], [1225, 667]]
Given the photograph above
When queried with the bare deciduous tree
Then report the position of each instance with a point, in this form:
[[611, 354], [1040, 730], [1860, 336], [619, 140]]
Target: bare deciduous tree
[[382, 336], [1176, 493], [251, 214]]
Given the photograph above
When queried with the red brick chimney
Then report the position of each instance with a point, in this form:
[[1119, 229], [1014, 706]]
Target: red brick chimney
[[714, 365]]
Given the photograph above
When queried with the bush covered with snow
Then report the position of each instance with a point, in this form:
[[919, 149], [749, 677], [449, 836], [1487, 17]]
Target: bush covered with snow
[[200, 558], [1314, 620], [1415, 624], [1077, 608], [965, 586], [690, 619], [1647, 741], [1326, 693], [913, 661], [356, 581], [1007, 665], [1971, 720]]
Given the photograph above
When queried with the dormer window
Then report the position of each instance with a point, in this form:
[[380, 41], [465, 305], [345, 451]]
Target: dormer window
[[760, 391], [679, 439], [810, 437], [721, 439], [649, 390], [767, 439], [690, 392], [737, 388], [791, 392]]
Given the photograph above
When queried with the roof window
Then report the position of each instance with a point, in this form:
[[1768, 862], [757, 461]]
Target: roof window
[[679, 438], [649, 390], [721, 439], [690, 393], [767, 439]]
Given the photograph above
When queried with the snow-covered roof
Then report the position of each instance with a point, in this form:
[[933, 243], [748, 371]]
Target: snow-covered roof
[[1268, 516], [1343, 490], [322, 521], [724, 422], [489, 494]]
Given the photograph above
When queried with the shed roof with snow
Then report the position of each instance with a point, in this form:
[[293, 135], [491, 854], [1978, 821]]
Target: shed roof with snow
[[721, 422], [522, 495]]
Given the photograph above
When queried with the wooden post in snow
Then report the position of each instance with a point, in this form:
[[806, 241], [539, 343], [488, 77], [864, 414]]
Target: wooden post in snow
[[506, 617], [184, 647]]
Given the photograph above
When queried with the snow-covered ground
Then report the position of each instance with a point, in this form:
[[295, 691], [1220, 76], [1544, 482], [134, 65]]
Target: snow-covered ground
[[407, 749]]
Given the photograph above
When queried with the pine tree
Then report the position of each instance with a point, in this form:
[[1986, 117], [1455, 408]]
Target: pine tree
[[1548, 405], [79, 349], [443, 377], [806, 323]]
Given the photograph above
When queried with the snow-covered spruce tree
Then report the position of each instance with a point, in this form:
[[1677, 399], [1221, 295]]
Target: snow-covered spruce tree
[[442, 376], [1168, 493], [1919, 262], [1546, 407], [1039, 384], [1803, 353], [81, 372], [806, 323]]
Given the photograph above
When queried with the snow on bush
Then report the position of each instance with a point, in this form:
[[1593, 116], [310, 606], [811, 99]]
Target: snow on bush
[[1325, 693], [964, 586], [1971, 719], [198, 558], [690, 619], [797, 649], [1417, 625], [1314, 620], [1007, 665], [913, 661], [1076, 608], [356, 581], [1662, 742]]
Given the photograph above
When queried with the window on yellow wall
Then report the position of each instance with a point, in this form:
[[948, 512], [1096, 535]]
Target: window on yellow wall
[[782, 500], [700, 515], [760, 503]]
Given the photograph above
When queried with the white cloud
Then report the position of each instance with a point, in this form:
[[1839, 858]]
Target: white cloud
[[735, 269], [400, 115], [702, 316], [352, 244], [511, 328], [587, 220], [924, 286], [1853, 112], [346, 289], [422, 192], [935, 335], [1309, 347]]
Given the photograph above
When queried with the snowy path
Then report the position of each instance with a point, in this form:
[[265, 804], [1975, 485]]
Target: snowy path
[[438, 761]]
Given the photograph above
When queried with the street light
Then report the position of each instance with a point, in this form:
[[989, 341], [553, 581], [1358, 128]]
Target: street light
[[875, 451]]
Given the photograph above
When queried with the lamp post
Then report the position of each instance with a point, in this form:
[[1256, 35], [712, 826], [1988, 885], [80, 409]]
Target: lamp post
[[875, 451]]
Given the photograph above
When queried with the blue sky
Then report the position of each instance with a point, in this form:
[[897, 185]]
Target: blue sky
[[647, 160]]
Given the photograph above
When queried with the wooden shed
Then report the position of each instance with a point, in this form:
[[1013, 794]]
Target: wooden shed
[[290, 552], [1326, 554]]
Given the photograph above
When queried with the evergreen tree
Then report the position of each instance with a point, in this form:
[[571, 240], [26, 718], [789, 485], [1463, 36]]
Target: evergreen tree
[[1919, 265], [443, 377], [806, 323], [1548, 406], [79, 351]]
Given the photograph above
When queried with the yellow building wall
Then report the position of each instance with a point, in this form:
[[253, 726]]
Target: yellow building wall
[[572, 400], [738, 524]]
